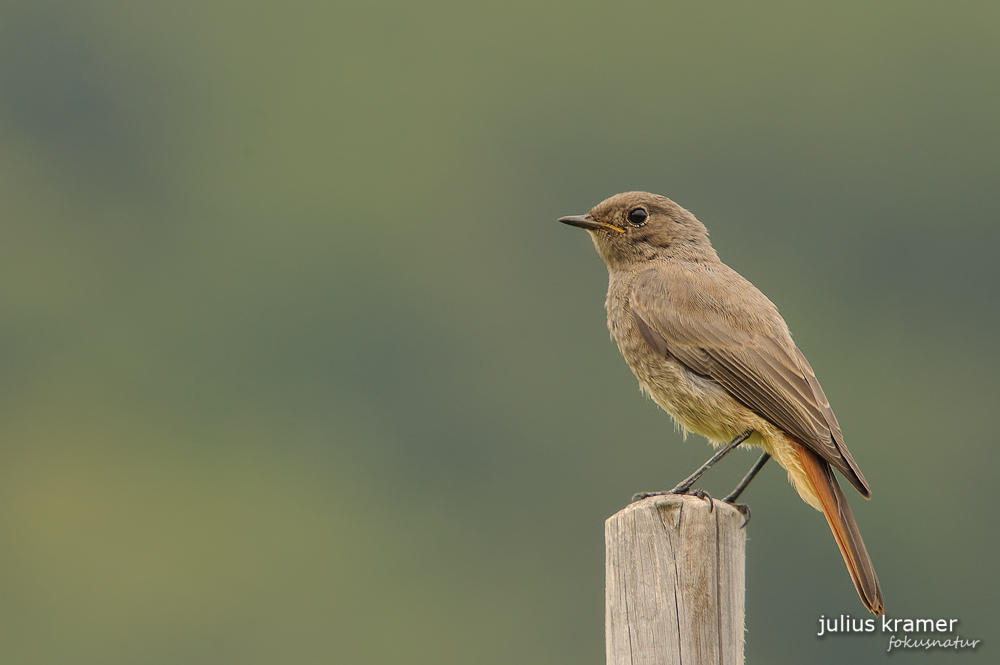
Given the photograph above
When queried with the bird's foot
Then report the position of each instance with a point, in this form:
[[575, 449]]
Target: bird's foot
[[639, 496], [742, 507], [700, 493]]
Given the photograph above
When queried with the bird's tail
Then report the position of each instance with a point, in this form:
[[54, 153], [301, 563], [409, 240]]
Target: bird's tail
[[845, 530]]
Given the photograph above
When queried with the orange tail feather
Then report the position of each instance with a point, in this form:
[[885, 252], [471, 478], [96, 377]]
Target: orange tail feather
[[845, 530]]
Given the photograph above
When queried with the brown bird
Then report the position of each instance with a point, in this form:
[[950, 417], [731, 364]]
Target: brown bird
[[714, 353]]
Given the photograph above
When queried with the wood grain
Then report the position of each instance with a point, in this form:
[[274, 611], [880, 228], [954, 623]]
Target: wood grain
[[674, 583]]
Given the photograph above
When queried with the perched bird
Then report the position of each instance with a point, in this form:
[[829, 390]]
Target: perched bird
[[714, 353]]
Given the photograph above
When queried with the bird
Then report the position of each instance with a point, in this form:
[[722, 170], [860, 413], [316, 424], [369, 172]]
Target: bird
[[713, 352]]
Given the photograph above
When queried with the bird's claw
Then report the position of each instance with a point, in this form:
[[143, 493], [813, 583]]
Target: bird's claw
[[639, 496], [744, 510], [700, 493]]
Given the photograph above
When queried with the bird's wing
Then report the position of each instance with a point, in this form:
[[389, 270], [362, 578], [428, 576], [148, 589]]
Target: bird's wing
[[736, 337]]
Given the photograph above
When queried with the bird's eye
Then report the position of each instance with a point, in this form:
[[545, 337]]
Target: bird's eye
[[637, 216]]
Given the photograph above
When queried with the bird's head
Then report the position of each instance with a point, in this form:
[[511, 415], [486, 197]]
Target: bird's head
[[638, 226]]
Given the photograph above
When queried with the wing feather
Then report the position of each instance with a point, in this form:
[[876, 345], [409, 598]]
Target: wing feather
[[745, 347]]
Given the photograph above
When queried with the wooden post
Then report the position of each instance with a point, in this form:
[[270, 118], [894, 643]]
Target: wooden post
[[674, 583]]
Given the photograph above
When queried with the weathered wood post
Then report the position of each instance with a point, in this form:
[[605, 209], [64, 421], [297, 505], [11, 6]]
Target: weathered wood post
[[674, 583]]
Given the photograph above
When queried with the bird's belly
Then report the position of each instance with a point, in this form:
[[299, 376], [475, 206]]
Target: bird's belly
[[698, 404]]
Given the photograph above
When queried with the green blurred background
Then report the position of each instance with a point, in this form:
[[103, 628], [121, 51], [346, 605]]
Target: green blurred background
[[298, 366]]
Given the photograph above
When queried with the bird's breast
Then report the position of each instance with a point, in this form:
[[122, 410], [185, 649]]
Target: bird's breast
[[697, 403]]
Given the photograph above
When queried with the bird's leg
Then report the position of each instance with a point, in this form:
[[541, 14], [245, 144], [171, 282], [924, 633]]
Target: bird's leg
[[735, 494], [758, 465], [684, 487]]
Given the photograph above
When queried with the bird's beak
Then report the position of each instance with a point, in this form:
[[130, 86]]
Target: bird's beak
[[589, 223]]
